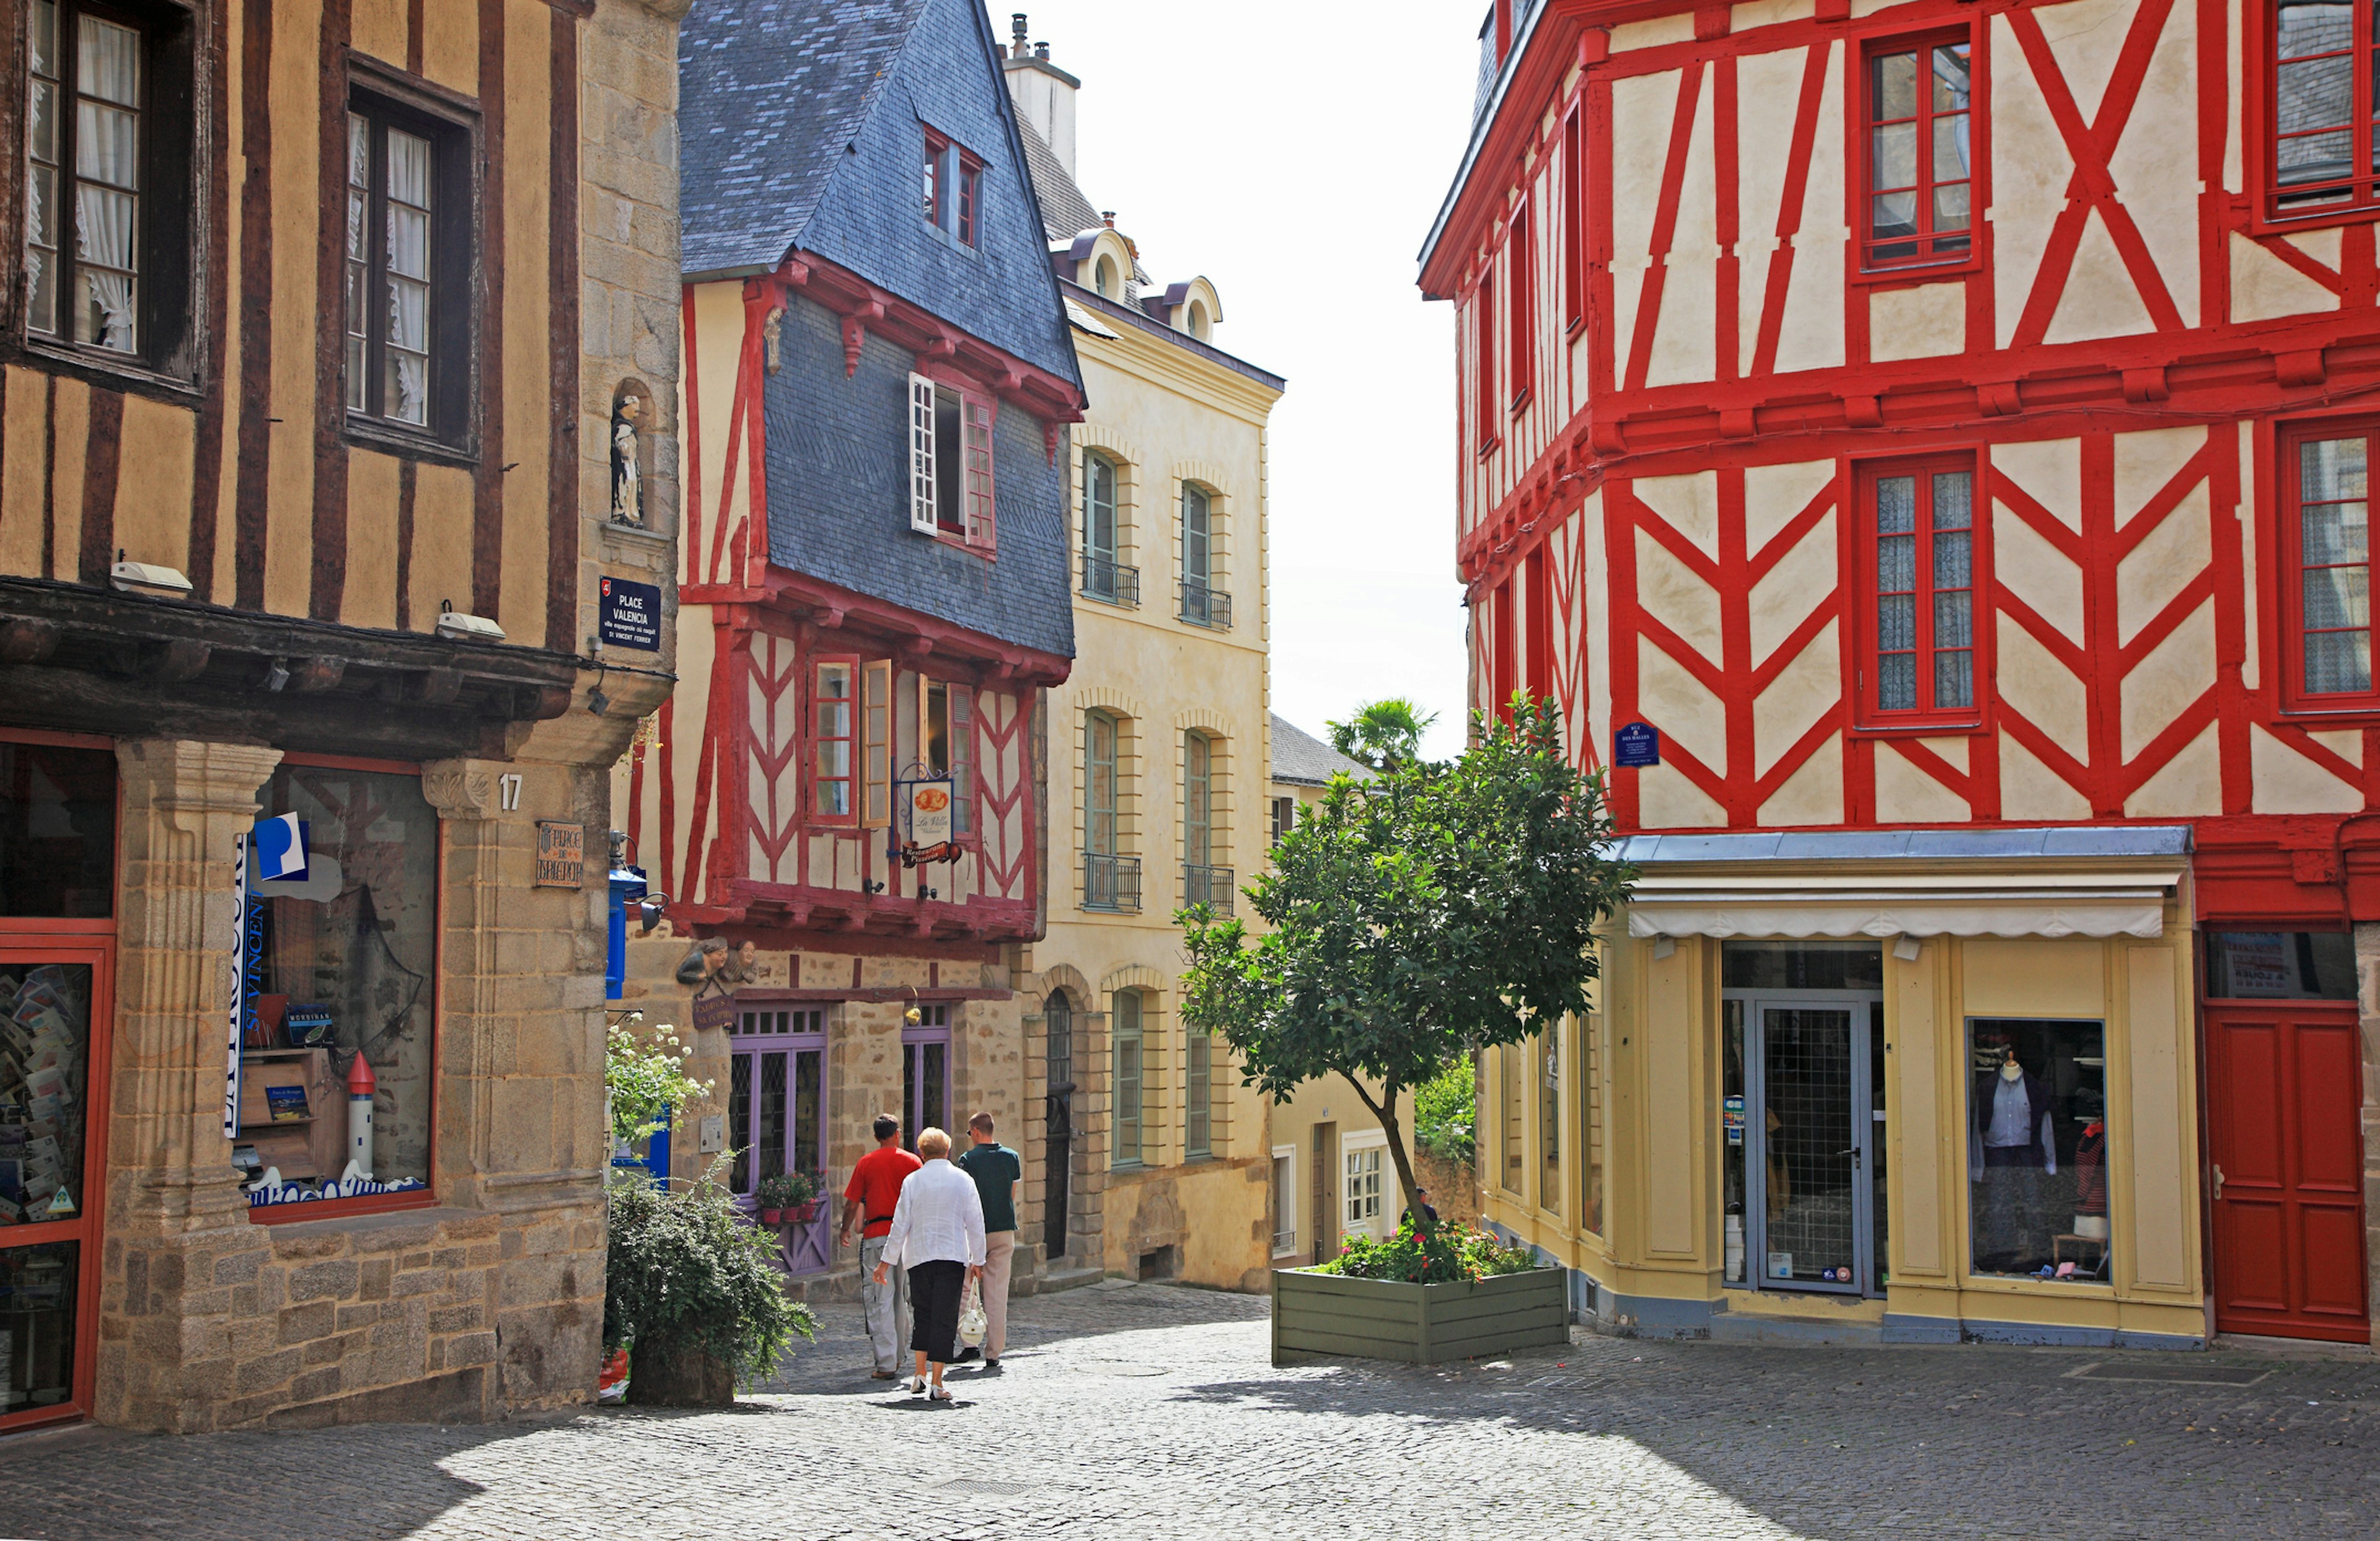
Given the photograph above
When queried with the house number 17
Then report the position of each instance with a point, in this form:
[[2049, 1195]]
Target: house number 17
[[508, 792]]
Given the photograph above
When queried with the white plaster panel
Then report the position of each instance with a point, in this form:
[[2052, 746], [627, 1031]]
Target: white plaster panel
[[1674, 596], [2245, 553], [2175, 673], [1767, 13], [1952, 749], [2346, 742], [1813, 794], [1665, 800], [1774, 495], [2027, 783], [2041, 688], [1927, 321], [2030, 170], [1768, 91], [2099, 298], [1642, 109], [2050, 470], [2156, 164], [1793, 587], [1804, 691], [1810, 336], [1685, 336], [2286, 782], [2265, 288], [1689, 503], [2234, 172], [2036, 572], [1654, 33], [2189, 785], [2163, 565], [1594, 605], [1677, 703], [2146, 462], [1906, 795], [2084, 36]]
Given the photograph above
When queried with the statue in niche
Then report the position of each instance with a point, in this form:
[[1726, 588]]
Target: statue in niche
[[627, 490]]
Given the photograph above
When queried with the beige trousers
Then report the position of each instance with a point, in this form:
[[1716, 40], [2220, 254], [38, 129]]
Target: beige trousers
[[999, 1255]]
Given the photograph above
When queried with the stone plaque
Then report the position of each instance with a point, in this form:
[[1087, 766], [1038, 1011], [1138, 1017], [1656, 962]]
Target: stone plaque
[[560, 855]]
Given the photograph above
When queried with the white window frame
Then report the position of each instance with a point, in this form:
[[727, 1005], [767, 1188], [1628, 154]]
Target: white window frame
[[925, 516], [1382, 1224], [1284, 1199]]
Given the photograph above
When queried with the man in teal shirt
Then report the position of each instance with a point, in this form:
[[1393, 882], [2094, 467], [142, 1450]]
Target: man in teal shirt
[[998, 1172]]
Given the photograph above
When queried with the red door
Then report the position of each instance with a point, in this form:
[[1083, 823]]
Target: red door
[[2284, 1101]]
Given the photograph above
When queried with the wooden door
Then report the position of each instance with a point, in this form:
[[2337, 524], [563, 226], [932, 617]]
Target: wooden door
[[1326, 1193], [2285, 1160]]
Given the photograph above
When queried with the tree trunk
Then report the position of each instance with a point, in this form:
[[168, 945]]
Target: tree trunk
[[1386, 1111], [664, 1372]]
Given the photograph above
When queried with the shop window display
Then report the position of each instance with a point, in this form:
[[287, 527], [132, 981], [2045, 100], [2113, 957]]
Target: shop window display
[[44, 1065], [2037, 1148], [2280, 965], [340, 964]]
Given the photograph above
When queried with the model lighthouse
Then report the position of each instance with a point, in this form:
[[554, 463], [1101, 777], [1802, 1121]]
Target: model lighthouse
[[361, 1085]]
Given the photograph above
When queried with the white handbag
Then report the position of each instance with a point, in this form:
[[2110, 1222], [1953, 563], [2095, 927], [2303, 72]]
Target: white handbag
[[972, 1325]]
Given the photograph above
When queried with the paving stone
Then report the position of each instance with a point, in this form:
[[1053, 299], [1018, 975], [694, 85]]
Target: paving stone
[[1154, 1411]]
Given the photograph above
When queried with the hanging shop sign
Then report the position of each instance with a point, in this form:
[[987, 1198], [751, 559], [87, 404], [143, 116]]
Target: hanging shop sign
[[1637, 744], [560, 855], [631, 615], [714, 1011]]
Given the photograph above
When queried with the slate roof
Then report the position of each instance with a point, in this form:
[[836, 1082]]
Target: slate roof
[[1066, 211], [1303, 760], [771, 92]]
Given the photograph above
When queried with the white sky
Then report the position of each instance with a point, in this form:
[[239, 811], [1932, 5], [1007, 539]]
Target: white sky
[[1295, 152]]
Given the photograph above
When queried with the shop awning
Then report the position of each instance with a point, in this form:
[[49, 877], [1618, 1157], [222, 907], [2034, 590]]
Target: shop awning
[[2052, 881]]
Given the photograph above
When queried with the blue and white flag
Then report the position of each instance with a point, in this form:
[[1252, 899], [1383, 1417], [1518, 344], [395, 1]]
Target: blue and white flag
[[278, 848]]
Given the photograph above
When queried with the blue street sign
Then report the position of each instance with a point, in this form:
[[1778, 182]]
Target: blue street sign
[[1637, 744], [631, 615]]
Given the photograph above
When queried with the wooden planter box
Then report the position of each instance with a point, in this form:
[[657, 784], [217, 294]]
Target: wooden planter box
[[1323, 1315]]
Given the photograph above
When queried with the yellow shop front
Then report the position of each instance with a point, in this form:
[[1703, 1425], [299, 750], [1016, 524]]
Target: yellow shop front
[[1898, 1086]]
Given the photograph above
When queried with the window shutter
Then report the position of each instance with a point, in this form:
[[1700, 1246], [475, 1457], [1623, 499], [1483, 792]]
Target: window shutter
[[921, 454], [980, 527], [961, 729], [876, 710]]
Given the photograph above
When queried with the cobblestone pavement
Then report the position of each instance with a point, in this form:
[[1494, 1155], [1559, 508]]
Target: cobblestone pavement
[[1141, 1411]]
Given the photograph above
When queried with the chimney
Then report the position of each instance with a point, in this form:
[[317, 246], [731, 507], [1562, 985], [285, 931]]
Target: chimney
[[1044, 94]]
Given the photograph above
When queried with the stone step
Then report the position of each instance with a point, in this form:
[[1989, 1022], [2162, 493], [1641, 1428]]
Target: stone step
[[1054, 1280]]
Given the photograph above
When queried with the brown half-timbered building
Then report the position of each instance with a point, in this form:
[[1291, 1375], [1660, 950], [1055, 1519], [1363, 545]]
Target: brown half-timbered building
[[337, 380]]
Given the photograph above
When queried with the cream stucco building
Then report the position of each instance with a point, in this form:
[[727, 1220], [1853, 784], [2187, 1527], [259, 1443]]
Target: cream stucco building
[[1150, 1158]]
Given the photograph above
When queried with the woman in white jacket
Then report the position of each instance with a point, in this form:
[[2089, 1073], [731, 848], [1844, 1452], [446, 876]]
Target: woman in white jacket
[[937, 1235]]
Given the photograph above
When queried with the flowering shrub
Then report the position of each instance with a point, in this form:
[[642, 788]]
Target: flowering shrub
[[683, 1271], [1444, 1253], [644, 1077]]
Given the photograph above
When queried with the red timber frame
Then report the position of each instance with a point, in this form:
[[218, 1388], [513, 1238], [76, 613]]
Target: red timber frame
[[2214, 375]]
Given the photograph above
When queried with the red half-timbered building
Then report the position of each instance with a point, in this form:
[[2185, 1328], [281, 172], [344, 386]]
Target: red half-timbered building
[[874, 586], [1923, 448]]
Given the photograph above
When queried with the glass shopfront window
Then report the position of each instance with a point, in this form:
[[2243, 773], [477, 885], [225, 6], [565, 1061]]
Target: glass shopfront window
[[57, 832], [2037, 1148], [2280, 965], [37, 1327], [340, 965]]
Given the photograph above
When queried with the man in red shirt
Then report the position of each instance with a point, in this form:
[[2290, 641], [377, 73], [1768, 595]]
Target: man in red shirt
[[874, 1192]]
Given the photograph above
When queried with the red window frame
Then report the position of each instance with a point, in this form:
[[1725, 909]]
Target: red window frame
[[955, 173], [2358, 191], [1926, 713], [1520, 305], [1931, 249], [1574, 184], [815, 725], [2297, 692], [1484, 319], [970, 197], [937, 151], [979, 506]]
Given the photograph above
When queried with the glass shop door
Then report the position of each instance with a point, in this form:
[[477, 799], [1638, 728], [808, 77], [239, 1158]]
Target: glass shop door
[[1803, 1145], [55, 1007]]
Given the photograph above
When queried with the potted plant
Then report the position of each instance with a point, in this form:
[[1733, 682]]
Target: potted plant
[[693, 1292], [770, 1199], [1423, 1296], [801, 1198]]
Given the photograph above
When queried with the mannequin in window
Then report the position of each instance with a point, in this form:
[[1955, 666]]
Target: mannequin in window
[[2012, 1151], [627, 498]]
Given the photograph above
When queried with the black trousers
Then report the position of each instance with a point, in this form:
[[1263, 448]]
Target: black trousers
[[934, 1291]]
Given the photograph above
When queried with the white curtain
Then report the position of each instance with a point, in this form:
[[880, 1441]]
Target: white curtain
[[107, 180]]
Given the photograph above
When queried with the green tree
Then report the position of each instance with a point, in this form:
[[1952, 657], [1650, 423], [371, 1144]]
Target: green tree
[[1382, 734], [1433, 910]]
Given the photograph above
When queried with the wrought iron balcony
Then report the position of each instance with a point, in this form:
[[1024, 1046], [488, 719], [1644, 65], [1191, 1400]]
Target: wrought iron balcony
[[1202, 606], [1110, 883], [1110, 581], [1211, 886]]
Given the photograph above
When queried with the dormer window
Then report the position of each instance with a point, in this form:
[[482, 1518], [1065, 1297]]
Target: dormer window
[[1104, 279], [954, 188]]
